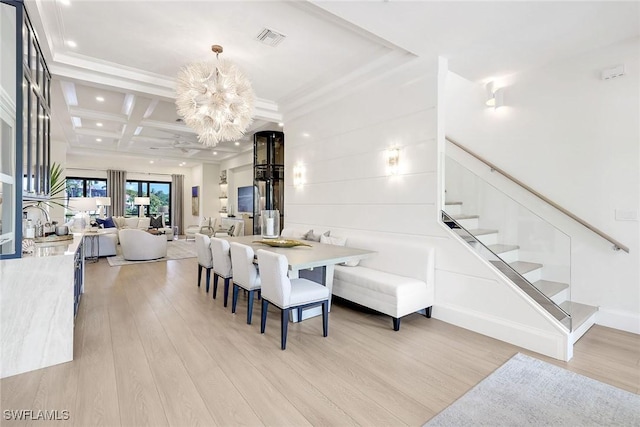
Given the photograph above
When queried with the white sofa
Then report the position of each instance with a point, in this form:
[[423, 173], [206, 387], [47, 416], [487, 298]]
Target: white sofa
[[138, 245], [105, 244], [139, 223], [397, 281]]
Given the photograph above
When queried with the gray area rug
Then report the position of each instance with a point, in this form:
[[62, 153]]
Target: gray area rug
[[527, 391], [176, 249]]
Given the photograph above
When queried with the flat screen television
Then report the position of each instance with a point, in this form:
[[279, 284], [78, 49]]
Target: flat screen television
[[245, 199]]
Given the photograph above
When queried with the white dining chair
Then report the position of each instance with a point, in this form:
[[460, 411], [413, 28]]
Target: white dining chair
[[221, 265], [205, 259], [245, 275], [287, 294]]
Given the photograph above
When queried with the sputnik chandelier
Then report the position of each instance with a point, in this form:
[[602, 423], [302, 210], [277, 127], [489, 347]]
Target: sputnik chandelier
[[215, 99]]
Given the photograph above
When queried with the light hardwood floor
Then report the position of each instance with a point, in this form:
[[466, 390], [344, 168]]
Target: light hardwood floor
[[151, 348]]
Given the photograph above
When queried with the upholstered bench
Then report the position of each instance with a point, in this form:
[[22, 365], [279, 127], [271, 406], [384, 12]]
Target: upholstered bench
[[397, 281]]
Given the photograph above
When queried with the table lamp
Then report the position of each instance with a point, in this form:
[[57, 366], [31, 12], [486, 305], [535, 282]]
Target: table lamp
[[141, 202], [82, 206], [101, 202]]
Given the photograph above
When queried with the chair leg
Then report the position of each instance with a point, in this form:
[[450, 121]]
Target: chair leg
[[396, 323], [199, 274], [226, 290], [250, 307], [208, 278], [234, 299], [299, 314], [215, 284], [325, 318], [427, 312], [263, 320], [284, 325]]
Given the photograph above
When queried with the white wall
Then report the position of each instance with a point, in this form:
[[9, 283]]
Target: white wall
[[347, 185], [574, 138]]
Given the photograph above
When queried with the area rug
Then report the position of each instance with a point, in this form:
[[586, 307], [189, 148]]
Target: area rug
[[176, 249], [526, 391]]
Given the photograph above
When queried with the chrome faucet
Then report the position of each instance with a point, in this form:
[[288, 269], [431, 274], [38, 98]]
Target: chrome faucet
[[44, 211]]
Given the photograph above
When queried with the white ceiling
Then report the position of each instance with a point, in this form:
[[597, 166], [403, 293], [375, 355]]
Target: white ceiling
[[128, 52]]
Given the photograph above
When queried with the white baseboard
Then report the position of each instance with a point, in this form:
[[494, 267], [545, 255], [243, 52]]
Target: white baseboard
[[550, 344], [618, 319]]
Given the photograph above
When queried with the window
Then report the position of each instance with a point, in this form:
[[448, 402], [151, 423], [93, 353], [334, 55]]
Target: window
[[86, 187], [159, 194]]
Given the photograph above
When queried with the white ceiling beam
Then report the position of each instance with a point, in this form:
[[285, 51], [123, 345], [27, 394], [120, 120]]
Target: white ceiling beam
[[97, 115]]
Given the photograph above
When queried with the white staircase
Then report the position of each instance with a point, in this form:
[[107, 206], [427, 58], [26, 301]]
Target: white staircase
[[582, 315]]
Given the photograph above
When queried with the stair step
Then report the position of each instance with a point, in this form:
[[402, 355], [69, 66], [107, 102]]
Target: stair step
[[485, 235], [453, 208], [550, 288], [524, 267], [555, 291], [482, 231], [500, 249], [582, 317], [463, 216]]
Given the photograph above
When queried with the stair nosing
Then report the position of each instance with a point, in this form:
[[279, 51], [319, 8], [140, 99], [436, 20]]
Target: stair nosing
[[506, 248], [524, 267]]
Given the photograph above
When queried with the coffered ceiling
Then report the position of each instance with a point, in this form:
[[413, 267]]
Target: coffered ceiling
[[114, 91]]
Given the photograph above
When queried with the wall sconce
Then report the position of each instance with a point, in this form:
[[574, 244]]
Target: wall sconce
[[298, 176], [495, 97], [393, 161]]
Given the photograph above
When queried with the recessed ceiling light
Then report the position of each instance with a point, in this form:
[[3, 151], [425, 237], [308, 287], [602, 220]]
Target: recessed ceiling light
[[65, 2], [150, 161], [237, 142], [71, 43], [99, 124], [281, 124], [306, 135], [215, 153], [99, 99], [98, 139]]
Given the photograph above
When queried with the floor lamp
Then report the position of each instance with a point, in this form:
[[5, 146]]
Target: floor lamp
[[141, 202]]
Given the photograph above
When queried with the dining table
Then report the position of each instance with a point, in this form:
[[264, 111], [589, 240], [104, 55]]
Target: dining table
[[314, 261]]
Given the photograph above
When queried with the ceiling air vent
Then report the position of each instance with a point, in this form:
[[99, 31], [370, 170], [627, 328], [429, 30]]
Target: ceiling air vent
[[270, 37]]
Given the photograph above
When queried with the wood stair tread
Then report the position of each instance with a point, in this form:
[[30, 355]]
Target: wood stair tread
[[524, 267], [482, 231], [452, 203], [500, 249], [463, 216], [579, 312], [550, 288]]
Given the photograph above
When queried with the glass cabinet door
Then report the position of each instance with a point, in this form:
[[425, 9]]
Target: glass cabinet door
[[8, 102]]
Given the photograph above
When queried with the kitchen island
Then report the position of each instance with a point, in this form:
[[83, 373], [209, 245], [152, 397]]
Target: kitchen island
[[39, 295]]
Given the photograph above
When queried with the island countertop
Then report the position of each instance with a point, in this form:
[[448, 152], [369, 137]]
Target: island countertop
[[55, 248]]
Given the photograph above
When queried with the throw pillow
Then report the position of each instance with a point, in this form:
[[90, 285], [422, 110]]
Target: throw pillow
[[309, 235], [156, 222], [338, 241], [100, 222], [108, 223], [333, 240]]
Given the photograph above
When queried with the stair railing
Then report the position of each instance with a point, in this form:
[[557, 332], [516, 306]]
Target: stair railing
[[616, 244], [529, 288]]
